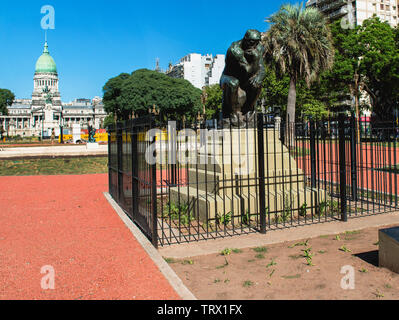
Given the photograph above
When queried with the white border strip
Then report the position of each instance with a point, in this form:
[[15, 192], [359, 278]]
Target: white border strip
[[166, 270]]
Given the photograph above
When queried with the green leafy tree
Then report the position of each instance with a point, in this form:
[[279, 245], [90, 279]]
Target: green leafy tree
[[300, 44], [274, 89], [112, 91], [379, 66], [367, 60], [145, 90], [108, 120], [212, 98], [6, 100]]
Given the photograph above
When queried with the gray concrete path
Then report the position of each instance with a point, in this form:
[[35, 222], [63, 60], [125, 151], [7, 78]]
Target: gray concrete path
[[277, 236], [56, 151]]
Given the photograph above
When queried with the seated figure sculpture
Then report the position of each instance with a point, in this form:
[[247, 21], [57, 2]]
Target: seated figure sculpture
[[242, 79]]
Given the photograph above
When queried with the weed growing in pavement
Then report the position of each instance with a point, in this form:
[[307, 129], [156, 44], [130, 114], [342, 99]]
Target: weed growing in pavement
[[226, 252], [344, 249], [260, 249], [378, 294], [308, 256], [169, 260], [298, 244], [297, 276], [247, 284], [272, 263]]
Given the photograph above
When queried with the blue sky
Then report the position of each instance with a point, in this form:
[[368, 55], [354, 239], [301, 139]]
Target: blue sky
[[95, 40]]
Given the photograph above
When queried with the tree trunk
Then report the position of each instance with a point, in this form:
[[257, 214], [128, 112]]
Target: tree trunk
[[290, 121]]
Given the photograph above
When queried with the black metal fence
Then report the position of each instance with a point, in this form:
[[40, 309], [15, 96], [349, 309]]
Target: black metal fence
[[191, 181]]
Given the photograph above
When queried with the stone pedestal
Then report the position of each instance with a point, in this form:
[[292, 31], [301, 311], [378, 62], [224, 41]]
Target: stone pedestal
[[223, 177], [92, 146], [76, 132], [389, 249]]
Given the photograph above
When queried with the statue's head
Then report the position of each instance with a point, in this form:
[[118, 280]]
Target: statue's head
[[251, 39]]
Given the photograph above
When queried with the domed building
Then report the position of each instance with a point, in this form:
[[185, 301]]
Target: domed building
[[46, 98], [45, 111]]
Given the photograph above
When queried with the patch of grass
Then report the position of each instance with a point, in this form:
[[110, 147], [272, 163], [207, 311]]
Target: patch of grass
[[302, 209], [247, 284], [260, 249], [217, 281], [344, 249], [226, 252], [308, 256], [337, 237], [178, 212], [298, 244], [188, 262], [322, 251], [378, 294], [271, 263], [363, 270], [223, 219], [227, 281], [297, 276], [236, 250], [169, 260], [325, 236], [260, 256], [54, 166], [251, 260], [352, 232], [388, 286]]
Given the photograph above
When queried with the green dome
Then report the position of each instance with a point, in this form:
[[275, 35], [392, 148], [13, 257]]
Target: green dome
[[46, 64]]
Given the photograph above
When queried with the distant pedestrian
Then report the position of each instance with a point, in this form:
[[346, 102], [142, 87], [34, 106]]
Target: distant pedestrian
[[52, 136]]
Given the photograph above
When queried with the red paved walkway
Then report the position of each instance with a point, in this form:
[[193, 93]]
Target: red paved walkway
[[65, 222]]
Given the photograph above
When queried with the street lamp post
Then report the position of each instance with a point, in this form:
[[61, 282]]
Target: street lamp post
[[42, 124], [61, 127]]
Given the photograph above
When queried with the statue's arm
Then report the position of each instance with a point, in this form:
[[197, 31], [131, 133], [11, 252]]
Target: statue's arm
[[237, 54]]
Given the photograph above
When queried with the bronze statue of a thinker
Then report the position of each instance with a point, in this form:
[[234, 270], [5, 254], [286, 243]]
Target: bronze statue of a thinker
[[242, 78]]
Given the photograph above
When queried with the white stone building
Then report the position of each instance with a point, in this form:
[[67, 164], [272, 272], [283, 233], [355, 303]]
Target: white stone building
[[200, 70], [356, 11], [45, 111]]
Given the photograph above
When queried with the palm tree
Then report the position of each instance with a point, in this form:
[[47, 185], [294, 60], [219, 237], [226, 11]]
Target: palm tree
[[299, 43]]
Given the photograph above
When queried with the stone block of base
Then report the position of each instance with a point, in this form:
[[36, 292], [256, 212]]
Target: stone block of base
[[389, 249]]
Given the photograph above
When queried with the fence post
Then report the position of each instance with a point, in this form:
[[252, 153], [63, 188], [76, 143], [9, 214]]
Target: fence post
[[261, 173], [353, 157], [135, 189], [154, 197], [312, 153], [342, 166], [109, 161], [119, 162]]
